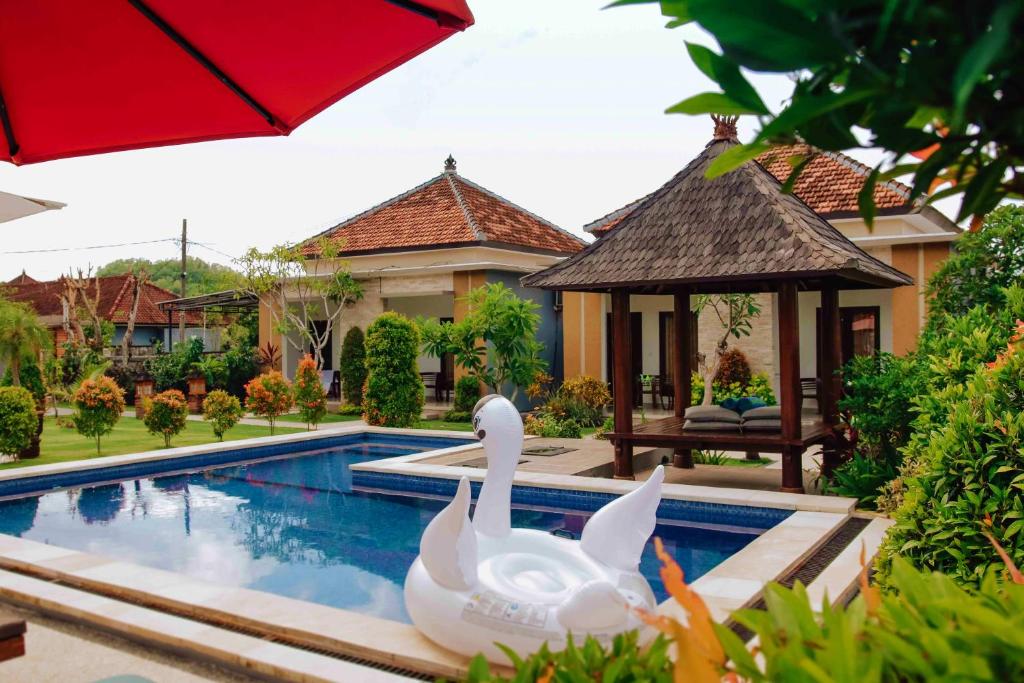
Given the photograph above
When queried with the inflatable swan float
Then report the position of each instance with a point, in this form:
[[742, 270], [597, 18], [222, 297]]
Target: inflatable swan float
[[481, 582]]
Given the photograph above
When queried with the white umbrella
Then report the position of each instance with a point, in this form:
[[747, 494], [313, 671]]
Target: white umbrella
[[15, 206]]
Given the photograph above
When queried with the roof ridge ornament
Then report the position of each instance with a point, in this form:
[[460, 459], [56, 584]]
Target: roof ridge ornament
[[449, 164], [725, 127]]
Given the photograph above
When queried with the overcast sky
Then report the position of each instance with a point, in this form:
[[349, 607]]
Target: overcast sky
[[557, 106]]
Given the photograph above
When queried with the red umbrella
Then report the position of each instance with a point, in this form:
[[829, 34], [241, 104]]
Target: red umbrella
[[88, 76]]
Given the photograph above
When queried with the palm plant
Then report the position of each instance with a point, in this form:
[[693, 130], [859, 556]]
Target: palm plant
[[21, 336]]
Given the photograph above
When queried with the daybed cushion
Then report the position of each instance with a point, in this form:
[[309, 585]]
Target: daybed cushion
[[762, 426], [712, 426], [742, 405], [763, 413], [711, 414]]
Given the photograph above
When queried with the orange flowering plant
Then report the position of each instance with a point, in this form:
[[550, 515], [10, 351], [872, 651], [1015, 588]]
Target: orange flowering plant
[[98, 406], [269, 395], [310, 397], [166, 414], [222, 411]]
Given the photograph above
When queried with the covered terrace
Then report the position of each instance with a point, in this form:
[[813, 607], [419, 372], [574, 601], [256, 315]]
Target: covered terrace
[[737, 233]]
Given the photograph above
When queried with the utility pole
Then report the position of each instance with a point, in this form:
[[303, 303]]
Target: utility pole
[[184, 274]]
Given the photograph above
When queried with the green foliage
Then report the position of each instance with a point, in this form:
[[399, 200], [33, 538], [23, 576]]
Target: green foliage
[[31, 379], [590, 391], [964, 473], [22, 337], [467, 393], [937, 78], [982, 265], [625, 662], [166, 414], [98, 406], [733, 368], [607, 426], [552, 427], [495, 342], [172, 370], [564, 407], [760, 386], [200, 277], [458, 416], [710, 457], [269, 395], [350, 409], [310, 397], [353, 367], [125, 379], [394, 389], [222, 411], [862, 477], [18, 420]]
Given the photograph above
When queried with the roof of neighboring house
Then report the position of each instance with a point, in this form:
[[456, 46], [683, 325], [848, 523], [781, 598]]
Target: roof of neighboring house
[[115, 299], [737, 232], [23, 279], [829, 185], [447, 210]]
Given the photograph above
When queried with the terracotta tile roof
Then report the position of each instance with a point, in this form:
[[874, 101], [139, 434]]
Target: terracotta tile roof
[[736, 232], [114, 303], [23, 279], [447, 210], [829, 185]]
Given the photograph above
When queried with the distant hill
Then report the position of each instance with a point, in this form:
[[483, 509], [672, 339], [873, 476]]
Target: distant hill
[[202, 277]]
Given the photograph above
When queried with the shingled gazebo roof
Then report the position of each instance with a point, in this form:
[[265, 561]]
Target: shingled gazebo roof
[[736, 233]]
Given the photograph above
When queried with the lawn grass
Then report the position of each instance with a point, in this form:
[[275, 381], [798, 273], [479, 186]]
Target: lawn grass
[[60, 444], [743, 462], [329, 417], [443, 424]]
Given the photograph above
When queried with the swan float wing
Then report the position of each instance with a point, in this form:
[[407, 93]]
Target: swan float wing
[[448, 546], [617, 533]]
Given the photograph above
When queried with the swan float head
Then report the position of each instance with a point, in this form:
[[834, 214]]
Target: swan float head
[[481, 582]]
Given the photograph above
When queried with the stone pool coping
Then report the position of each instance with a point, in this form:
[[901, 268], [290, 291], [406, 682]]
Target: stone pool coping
[[734, 583]]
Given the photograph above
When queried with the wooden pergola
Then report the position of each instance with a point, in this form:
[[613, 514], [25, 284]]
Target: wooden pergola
[[738, 233]]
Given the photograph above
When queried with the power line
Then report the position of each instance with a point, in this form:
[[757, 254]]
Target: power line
[[215, 251], [95, 246]]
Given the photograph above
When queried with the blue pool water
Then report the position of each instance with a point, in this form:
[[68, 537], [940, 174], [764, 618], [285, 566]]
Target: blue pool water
[[301, 525]]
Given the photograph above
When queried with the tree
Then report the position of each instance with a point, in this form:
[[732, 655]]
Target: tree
[[98, 406], [496, 341], [21, 337], [353, 366], [269, 396], [735, 313], [201, 277], [222, 411], [138, 281], [394, 388], [84, 289], [298, 291], [935, 82], [166, 414], [310, 397], [981, 267]]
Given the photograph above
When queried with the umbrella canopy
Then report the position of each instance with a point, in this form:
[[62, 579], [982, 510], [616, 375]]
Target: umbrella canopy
[[88, 76], [14, 206]]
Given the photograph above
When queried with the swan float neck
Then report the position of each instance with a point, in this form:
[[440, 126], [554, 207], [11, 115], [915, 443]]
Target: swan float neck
[[502, 437]]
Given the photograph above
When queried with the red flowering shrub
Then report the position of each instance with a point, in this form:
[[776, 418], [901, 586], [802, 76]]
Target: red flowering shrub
[[310, 397], [166, 414], [268, 396], [98, 406]]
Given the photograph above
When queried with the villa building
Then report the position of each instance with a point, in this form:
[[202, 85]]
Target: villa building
[[421, 251], [909, 236]]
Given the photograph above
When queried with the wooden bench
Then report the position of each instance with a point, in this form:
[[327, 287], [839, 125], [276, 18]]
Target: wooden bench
[[12, 636]]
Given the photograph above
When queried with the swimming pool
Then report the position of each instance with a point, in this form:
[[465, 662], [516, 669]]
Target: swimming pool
[[300, 523]]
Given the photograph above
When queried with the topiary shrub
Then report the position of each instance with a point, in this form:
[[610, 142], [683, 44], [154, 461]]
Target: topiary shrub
[[394, 389], [166, 414], [353, 367], [18, 419], [310, 397], [269, 395], [467, 393], [222, 411], [733, 368], [98, 405]]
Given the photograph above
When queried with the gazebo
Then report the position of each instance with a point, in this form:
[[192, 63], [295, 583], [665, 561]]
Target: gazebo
[[737, 233]]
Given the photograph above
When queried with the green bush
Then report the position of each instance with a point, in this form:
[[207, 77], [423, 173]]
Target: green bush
[[18, 421], [607, 426], [562, 407], [467, 393], [350, 409], [394, 389], [172, 370], [125, 379], [310, 397], [353, 367], [98, 406], [590, 391], [552, 427], [31, 379], [862, 477], [458, 416], [166, 414], [759, 386], [964, 472], [222, 411]]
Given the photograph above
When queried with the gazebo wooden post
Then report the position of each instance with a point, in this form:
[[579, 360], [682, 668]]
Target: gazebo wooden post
[[830, 362], [681, 379], [789, 387], [623, 383]]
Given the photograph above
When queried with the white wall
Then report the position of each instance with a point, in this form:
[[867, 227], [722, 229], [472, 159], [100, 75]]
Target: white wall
[[809, 303]]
